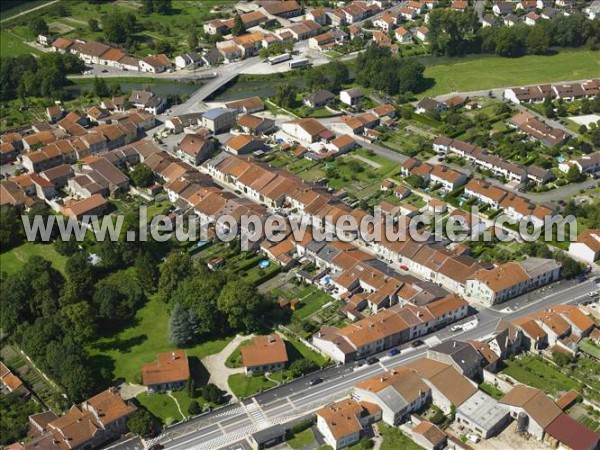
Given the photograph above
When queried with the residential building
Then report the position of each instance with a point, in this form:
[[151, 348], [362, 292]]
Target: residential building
[[485, 191], [512, 279], [265, 354], [91, 206], [531, 404], [285, 9], [351, 96], [449, 389], [536, 129], [97, 421], [430, 104], [319, 98], [587, 246], [195, 149], [246, 105], [148, 101], [307, 131], [243, 144], [428, 435], [189, 60], [450, 179], [155, 63], [255, 125], [461, 355], [566, 432], [170, 371], [343, 422], [219, 120], [398, 393]]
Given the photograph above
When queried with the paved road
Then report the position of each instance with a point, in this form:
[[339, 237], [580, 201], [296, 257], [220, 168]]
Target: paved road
[[296, 399], [28, 11]]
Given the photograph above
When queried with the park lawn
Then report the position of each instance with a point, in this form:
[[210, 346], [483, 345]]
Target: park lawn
[[162, 406], [537, 373], [125, 350], [302, 439], [11, 45], [235, 359], [12, 260], [471, 74], [394, 439], [243, 386]]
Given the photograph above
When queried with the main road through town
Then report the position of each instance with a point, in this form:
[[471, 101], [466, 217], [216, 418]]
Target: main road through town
[[232, 425]]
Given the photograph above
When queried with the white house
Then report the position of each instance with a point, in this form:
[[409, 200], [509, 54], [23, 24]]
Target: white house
[[587, 246]]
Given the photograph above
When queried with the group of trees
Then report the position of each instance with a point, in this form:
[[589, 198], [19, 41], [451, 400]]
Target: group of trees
[[377, 68], [119, 27], [53, 317], [157, 6], [45, 76], [204, 302], [331, 76], [454, 33]]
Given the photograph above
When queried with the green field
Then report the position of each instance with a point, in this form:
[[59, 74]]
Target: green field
[[537, 373], [11, 45], [494, 71], [13, 260], [243, 386], [126, 350], [302, 439], [394, 439]]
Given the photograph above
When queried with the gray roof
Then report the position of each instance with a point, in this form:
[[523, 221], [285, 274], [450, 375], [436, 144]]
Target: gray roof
[[483, 411], [263, 436], [538, 266], [328, 252], [320, 96], [392, 398], [354, 92], [462, 353], [215, 113]]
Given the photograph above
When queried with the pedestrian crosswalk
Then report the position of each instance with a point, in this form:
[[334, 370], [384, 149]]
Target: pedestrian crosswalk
[[227, 439], [258, 417]]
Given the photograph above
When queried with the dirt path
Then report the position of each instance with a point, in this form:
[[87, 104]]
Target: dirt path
[[215, 365]]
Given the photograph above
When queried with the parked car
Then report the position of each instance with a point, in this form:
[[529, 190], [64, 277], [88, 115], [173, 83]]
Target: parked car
[[456, 328], [593, 293], [417, 343], [315, 381], [372, 360], [360, 362], [394, 352]]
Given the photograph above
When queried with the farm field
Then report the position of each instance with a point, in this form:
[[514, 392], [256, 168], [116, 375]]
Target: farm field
[[494, 71]]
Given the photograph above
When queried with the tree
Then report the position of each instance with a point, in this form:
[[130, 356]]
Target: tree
[[415, 181], [238, 26], [198, 293], [79, 319], [37, 25], [241, 303], [570, 268], [303, 366], [142, 423], [118, 27], [109, 253], [549, 107], [146, 271], [11, 228], [66, 247], [574, 174], [93, 24], [595, 136], [177, 267], [182, 326], [157, 6], [100, 88], [212, 393], [338, 74], [285, 95], [192, 38], [538, 40], [194, 408], [562, 359], [107, 301], [142, 176], [80, 277]]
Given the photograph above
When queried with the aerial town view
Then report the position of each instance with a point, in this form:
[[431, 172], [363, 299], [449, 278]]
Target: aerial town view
[[299, 224]]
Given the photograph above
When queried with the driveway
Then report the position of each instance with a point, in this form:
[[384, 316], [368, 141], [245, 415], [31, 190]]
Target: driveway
[[129, 390], [215, 365]]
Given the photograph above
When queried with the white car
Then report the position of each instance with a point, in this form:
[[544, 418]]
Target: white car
[[593, 293], [456, 328]]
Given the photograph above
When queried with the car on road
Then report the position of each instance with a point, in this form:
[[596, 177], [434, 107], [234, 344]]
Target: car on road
[[456, 328], [104, 71], [315, 381], [394, 352], [417, 343], [597, 280], [156, 447], [360, 362], [593, 294], [372, 360]]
